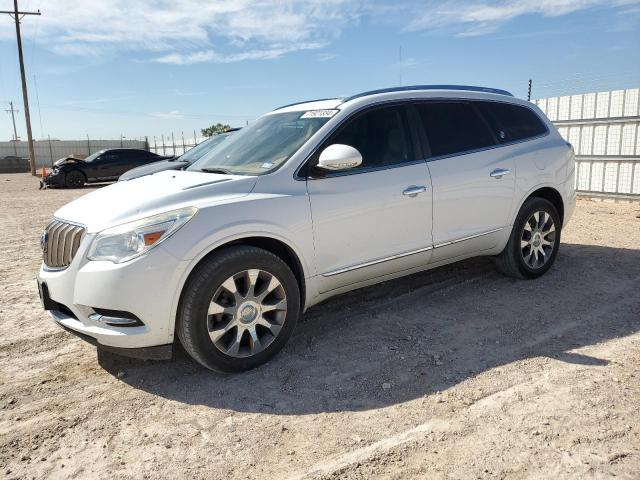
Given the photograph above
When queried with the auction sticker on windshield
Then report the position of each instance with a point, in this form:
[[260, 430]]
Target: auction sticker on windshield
[[319, 114]]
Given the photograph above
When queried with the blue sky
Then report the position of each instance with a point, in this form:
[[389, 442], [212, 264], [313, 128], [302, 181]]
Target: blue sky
[[150, 67]]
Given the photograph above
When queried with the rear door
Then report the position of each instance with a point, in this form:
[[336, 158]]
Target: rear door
[[145, 157], [473, 181], [129, 159], [375, 219]]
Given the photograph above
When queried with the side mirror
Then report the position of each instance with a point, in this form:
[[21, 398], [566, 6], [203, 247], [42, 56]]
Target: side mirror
[[339, 157]]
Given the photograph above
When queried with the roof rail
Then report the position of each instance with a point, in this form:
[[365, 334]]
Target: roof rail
[[430, 87], [307, 101]]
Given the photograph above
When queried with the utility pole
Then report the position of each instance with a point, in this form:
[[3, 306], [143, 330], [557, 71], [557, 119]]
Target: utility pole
[[17, 16], [529, 93], [15, 132], [12, 111]]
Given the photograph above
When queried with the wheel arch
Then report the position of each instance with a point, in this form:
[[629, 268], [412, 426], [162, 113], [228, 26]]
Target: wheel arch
[[554, 196], [277, 246], [549, 193]]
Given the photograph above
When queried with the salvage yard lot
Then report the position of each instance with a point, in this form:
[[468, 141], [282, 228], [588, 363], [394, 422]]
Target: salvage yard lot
[[454, 373]]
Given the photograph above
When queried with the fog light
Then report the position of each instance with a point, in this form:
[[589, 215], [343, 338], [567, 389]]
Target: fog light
[[115, 318]]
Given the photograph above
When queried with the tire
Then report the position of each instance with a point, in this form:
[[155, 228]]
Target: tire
[[528, 253], [74, 179], [265, 306]]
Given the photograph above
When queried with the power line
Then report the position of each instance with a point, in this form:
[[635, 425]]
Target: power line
[[586, 79], [35, 84], [400, 63], [17, 16], [140, 113]]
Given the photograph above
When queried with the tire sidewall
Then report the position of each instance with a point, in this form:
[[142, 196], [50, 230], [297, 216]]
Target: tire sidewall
[[74, 174], [196, 304], [531, 206]]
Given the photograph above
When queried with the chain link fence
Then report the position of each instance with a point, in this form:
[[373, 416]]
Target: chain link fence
[[173, 144], [49, 150]]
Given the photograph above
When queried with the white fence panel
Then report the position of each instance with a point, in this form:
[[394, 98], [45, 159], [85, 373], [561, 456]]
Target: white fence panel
[[175, 147], [604, 129]]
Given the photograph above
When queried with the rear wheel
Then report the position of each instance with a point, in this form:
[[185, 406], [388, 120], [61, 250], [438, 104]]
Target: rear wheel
[[238, 309], [534, 241], [74, 179]]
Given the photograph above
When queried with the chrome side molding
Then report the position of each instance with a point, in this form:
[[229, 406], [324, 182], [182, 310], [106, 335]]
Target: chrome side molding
[[406, 254], [375, 262], [468, 238]]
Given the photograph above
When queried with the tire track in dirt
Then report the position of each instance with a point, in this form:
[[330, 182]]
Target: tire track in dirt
[[518, 386], [337, 464]]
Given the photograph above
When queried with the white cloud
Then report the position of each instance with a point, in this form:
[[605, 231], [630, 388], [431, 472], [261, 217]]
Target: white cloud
[[213, 56], [189, 31], [325, 57], [194, 31], [101, 100], [172, 115], [478, 17], [408, 62], [187, 93]]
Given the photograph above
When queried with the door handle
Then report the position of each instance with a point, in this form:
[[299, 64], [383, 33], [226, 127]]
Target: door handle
[[499, 173], [414, 190]]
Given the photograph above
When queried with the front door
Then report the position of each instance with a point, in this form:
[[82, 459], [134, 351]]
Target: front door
[[375, 219]]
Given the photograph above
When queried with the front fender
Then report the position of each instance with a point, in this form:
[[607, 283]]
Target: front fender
[[285, 218]]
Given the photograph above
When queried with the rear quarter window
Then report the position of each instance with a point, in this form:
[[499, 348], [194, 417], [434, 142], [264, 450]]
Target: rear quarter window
[[453, 128], [510, 122]]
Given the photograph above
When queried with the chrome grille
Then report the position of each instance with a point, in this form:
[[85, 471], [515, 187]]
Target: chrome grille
[[60, 242]]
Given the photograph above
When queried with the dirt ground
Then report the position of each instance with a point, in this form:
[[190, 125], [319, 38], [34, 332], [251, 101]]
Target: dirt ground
[[454, 373]]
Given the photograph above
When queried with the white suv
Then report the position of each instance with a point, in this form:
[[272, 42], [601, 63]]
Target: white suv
[[309, 201]]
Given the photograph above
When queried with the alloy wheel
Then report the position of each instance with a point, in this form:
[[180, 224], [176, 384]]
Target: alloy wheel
[[538, 239], [246, 313]]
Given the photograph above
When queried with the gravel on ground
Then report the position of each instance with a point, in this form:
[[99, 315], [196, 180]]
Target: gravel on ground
[[457, 372]]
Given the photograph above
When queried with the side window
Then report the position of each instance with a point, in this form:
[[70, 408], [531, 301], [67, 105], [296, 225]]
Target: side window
[[380, 135], [136, 155], [109, 157], [511, 122], [453, 127]]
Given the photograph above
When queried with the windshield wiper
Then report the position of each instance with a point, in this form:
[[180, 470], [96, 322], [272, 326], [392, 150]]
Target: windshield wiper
[[224, 171]]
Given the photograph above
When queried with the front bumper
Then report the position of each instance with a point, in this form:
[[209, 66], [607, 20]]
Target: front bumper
[[146, 286], [160, 352], [54, 179]]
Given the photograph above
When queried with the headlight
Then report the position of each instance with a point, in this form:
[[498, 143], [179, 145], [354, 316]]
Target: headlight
[[125, 242]]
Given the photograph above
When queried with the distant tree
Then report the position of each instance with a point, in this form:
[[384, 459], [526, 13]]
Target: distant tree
[[215, 129]]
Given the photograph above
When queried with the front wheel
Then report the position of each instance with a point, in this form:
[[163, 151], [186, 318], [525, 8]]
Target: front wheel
[[74, 179], [534, 241], [238, 309]]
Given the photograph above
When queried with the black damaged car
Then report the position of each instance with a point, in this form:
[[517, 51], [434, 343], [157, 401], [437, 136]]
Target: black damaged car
[[102, 166]]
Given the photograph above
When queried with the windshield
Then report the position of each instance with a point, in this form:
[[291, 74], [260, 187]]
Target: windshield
[[93, 156], [265, 144], [202, 148]]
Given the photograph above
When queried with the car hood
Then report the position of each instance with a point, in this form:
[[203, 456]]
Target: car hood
[[141, 197], [67, 161], [154, 167]]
